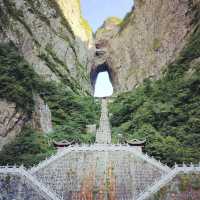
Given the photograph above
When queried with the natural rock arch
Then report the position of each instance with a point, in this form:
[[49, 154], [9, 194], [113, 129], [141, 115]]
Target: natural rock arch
[[104, 67]]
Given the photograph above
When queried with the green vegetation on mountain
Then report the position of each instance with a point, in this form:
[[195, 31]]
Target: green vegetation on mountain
[[18, 81], [28, 149], [113, 20], [166, 111], [109, 21], [71, 112]]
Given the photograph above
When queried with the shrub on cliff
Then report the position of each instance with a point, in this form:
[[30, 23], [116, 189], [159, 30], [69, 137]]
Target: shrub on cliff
[[166, 111], [28, 149], [71, 112], [18, 81]]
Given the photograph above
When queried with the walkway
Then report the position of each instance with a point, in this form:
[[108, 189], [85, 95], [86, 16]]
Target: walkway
[[72, 171], [103, 135]]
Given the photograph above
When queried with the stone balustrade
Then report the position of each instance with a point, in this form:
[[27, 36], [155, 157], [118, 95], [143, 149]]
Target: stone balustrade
[[39, 183], [167, 178], [22, 185], [100, 148], [66, 172]]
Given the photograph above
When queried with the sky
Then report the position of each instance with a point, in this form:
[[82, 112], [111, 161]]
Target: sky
[[103, 87], [95, 12]]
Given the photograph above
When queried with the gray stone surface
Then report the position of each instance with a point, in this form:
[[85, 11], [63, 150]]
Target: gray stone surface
[[91, 129], [99, 171], [103, 134], [11, 122], [15, 186], [152, 37], [52, 37], [41, 119]]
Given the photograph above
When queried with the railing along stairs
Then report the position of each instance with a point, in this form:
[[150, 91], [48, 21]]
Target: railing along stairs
[[167, 178], [23, 173]]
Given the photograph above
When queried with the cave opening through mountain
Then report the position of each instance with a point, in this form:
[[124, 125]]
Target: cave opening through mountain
[[101, 80]]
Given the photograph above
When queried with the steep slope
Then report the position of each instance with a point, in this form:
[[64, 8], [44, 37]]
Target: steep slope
[[19, 99], [153, 62], [51, 37], [103, 36], [165, 111], [151, 36], [45, 52]]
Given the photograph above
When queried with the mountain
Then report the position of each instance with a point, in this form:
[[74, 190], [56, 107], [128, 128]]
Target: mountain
[[45, 56]]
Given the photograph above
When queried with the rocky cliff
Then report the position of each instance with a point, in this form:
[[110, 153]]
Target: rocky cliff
[[55, 40], [150, 37], [103, 36], [164, 108], [51, 35]]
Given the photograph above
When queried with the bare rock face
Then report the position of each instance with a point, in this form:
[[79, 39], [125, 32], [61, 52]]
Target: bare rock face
[[103, 36], [53, 37], [109, 29], [11, 122], [151, 37], [41, 119]]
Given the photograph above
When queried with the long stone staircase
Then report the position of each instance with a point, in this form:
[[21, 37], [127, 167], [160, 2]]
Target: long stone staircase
[[103, 135], [91, 172], [67, 176]]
